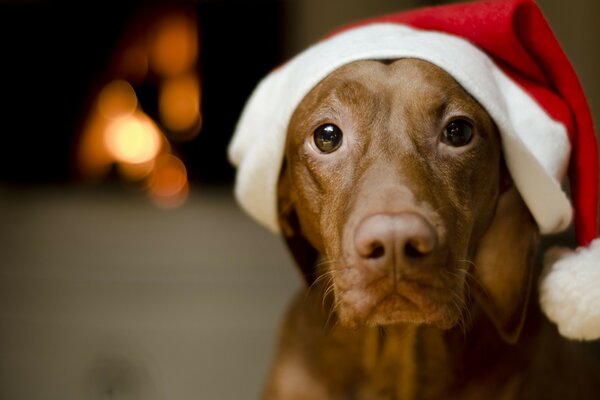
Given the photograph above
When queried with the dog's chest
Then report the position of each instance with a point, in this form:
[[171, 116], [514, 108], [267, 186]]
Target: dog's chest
[[403, 363]]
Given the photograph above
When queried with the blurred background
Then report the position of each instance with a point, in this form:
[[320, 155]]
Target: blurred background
[[126, 269]]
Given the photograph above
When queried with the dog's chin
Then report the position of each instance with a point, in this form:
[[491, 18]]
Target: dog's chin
[[395, 309], [404, 304]]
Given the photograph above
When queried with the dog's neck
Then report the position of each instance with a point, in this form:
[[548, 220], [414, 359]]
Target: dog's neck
[[427, 362], [423, 361]]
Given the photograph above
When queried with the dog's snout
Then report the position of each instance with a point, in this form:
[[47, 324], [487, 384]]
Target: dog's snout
[[402, 239]]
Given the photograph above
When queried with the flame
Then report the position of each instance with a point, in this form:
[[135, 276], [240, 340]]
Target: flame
[[132, 138]]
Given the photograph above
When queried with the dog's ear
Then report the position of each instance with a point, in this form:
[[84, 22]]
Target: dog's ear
[[303, 252], [504, 265]]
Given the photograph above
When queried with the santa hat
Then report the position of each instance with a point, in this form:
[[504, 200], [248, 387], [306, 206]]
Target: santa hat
[[506, 56]]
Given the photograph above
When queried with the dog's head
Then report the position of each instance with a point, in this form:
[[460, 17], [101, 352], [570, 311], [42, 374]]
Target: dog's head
[[393, 173], [394, 193]]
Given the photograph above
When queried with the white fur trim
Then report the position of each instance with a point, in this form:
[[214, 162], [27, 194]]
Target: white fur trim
[[570, 290], [536, 147]]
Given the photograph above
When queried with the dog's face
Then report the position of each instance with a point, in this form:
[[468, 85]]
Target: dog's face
[[392, 173]]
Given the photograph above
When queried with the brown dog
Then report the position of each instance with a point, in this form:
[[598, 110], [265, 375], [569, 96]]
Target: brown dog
[[394, 186]]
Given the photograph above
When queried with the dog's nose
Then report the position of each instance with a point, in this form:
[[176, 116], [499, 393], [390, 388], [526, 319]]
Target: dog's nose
[[403, 239]]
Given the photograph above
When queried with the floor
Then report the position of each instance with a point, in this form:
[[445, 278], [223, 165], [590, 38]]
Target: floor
[[103, 296]]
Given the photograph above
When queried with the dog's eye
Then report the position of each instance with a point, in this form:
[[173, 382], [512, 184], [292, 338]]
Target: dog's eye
[[458, 133], [328, 138]]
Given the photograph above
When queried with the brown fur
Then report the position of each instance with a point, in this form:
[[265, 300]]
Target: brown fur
[[447, 322]]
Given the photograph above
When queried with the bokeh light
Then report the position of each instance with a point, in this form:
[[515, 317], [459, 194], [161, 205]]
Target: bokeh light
[[117, 99], [168, 184], [179, 105], [132, 138], [161, 52], [133, 62], [136, 172], [93, 158], [174, 45]]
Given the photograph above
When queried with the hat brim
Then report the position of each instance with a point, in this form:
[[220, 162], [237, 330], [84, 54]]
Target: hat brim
[[536, 148]]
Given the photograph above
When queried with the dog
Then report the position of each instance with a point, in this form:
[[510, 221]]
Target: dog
[[418, 251]]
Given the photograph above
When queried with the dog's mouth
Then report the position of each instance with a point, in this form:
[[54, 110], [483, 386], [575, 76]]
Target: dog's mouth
[[389, 301]]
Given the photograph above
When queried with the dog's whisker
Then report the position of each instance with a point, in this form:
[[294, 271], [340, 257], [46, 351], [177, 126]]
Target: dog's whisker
[[472, 277], [330, 290], [464, 303], [468, 262], [441, 208], [325, 283], [457, 277], [324, 275], [468, 273], [464, 317], [323, 262], [460, 299], [331, 313]]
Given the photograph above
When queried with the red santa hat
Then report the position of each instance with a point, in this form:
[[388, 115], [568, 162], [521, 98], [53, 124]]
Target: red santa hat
[[505, 55]]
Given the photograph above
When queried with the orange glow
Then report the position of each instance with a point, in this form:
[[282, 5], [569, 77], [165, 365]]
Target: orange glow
[[116, 100], [168, 184], [132, 138], [133, 62], [136, 172], [93, 159], [179, 105], [174, 45], [162, 51]]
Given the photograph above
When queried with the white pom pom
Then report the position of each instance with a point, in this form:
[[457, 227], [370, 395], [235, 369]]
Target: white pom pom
[[570, 290]]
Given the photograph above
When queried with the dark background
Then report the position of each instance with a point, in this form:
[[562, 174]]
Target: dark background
[[54, 55]]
